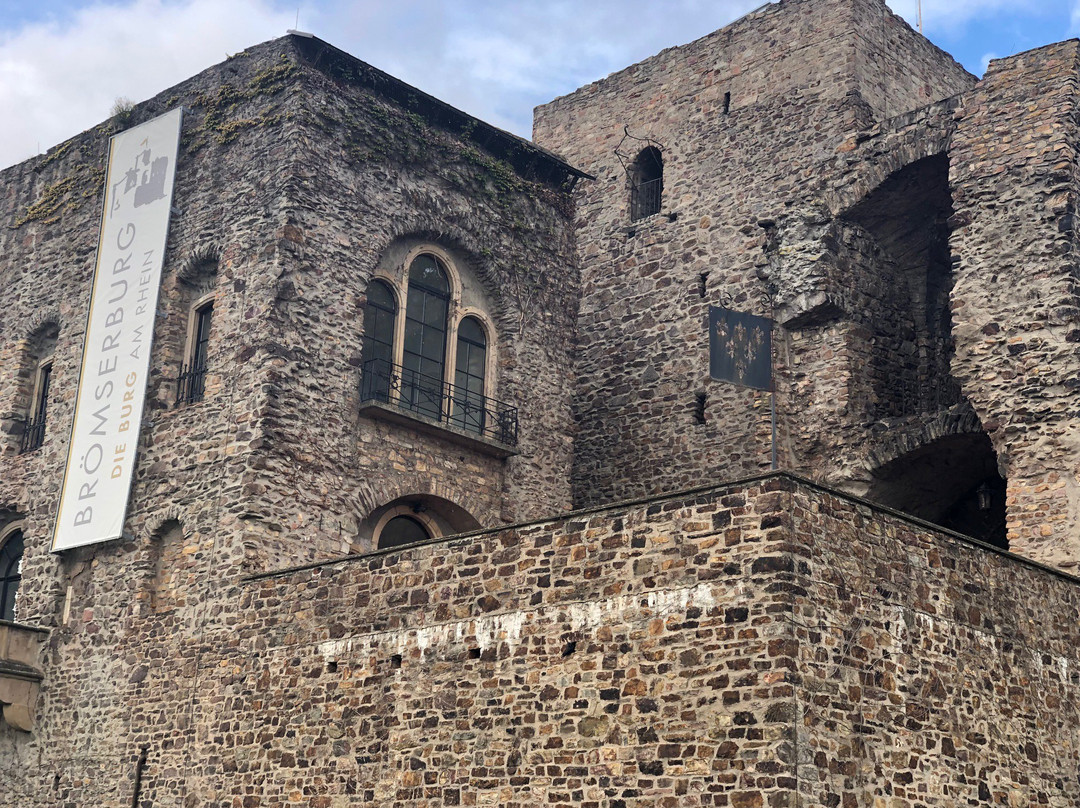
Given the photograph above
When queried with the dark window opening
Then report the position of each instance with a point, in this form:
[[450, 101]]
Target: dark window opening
[[646, 183], [10, 574], [703, 280], [727, 103], [402, 530], [191, 385], [469, 405], [700, 400], [953, 481], [34, 432]]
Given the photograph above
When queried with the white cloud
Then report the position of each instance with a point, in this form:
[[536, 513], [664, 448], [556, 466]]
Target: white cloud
[[60, 77], [492, 58]]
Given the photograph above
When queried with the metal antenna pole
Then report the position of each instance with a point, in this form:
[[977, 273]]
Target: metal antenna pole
[[920, 16]]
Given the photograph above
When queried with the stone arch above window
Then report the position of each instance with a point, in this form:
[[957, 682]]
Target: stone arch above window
[[414, 518], [646, 183]]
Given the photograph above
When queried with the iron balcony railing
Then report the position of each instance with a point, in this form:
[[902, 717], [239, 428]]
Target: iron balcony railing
[[33, 435], [191, 383], [434, 399], [645, 199]]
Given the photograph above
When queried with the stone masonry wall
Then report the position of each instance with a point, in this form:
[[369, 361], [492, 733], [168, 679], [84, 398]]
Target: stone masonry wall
[[1015, 303], [755, 644], [747, 119], [373, 180]]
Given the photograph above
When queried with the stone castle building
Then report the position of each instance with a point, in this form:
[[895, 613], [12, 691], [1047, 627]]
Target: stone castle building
[[437, 504]]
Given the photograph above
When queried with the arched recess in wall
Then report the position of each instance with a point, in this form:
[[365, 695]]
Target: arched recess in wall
[[946, 472], [907, 216], [414, 518], [169, 566]]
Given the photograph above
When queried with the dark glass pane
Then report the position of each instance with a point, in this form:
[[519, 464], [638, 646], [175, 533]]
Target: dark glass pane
[[468, 412], [202, 335], [471, 331], [43, 393], [378, 343], [425, 271], [414, 335], [435, 312], [402, 530], [380, 296], [433, 345]]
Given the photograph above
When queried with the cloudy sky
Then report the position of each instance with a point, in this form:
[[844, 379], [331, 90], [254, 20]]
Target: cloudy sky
[[63, 63]]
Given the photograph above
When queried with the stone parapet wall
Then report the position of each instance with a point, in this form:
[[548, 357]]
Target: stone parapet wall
[[755, 644]]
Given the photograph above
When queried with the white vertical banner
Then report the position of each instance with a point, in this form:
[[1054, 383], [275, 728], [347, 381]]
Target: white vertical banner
[[119, 330]]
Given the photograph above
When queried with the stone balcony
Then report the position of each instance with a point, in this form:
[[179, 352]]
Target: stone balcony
[[20, 676]]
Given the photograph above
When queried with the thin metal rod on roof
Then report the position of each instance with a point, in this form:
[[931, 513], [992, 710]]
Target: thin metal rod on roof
[[920, 16]]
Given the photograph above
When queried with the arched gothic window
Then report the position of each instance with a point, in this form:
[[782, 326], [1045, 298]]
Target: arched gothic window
[[646, 183], [435, 361], [11, 554]]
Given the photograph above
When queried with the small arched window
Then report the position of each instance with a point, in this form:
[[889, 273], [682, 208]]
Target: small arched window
[[402, 530], [198, 284], [469, 408], [39, 382], [377, 353], [11, 554], [646, 183], [427, 309]]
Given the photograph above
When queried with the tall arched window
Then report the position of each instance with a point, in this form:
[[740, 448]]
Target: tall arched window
[[429, 347], [423, 359], [471, 362], [11, 554], [377, 353], [646, 183]]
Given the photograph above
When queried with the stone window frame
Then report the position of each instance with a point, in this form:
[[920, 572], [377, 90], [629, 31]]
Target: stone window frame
[[6, 534], [34, 428], [398, 282], [196, 311], [35, 366]]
